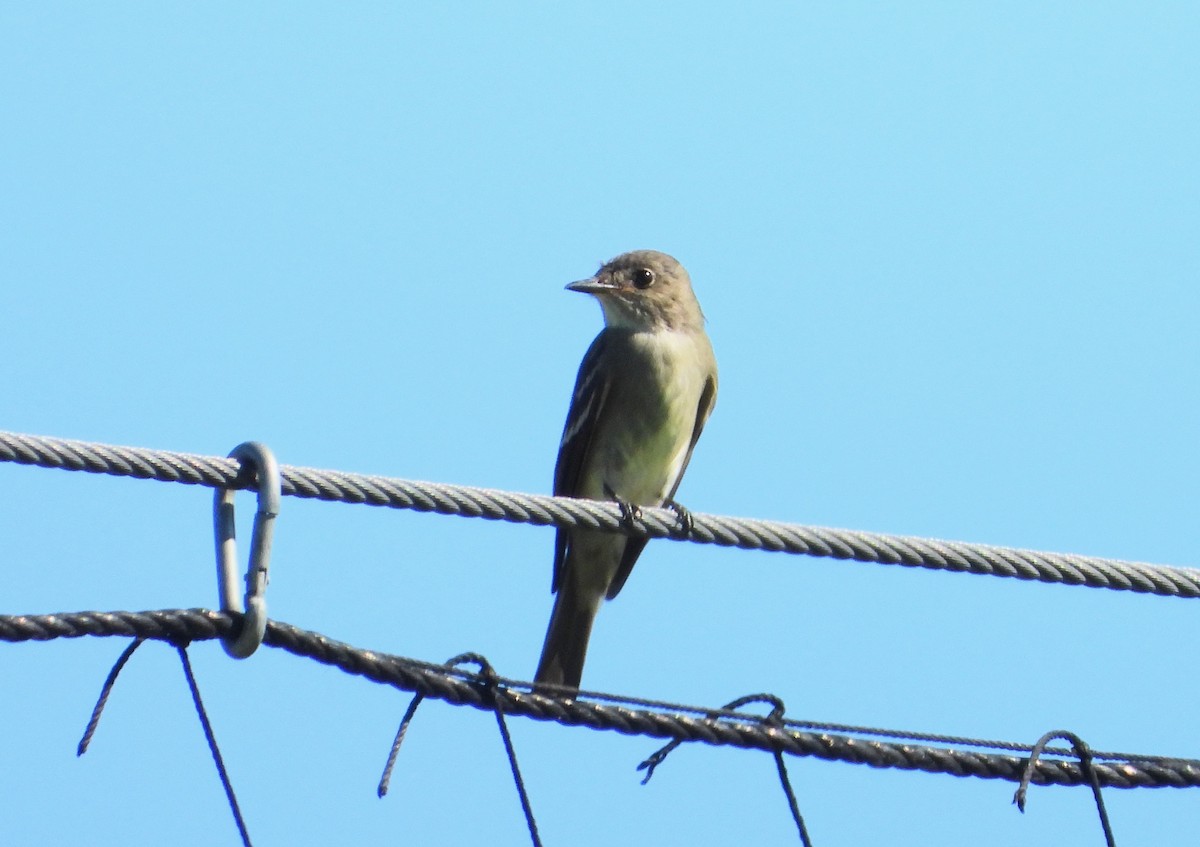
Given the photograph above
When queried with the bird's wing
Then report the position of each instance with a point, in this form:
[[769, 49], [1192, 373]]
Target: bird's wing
[[634, 546], [587, 405]]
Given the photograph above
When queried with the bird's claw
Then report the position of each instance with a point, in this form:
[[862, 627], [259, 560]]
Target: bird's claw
[[686, 523], [631, 513]]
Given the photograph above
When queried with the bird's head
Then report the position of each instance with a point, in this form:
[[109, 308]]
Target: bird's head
[[643, 290]]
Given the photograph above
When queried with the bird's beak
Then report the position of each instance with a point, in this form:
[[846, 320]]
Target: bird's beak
[[591, 285]]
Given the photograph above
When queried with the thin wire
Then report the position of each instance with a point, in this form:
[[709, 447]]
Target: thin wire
[[489, 685], [774, 719], [793, 806], [386, 779], [1085, 761], [105, 690], [488, 682], [814, 726], [212, 745], [750, 534]]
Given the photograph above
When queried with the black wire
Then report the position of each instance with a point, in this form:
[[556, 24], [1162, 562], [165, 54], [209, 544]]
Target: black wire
[[1084, 754], [386, 778], [487, 680], [791, 798], [94, 720], [775, 719], [212, 745]]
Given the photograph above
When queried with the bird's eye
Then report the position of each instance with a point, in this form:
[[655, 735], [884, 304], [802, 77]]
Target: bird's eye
[[643, 277]]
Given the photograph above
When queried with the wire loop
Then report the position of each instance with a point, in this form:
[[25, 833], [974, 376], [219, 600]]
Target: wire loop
[[258, 459], [488, 682], [774, 720], [1086, 765]]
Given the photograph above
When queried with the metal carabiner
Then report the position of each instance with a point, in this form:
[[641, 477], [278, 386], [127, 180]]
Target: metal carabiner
[[254, 620]]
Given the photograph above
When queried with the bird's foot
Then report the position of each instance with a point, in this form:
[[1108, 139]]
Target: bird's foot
[[631, 513], [686, 524]]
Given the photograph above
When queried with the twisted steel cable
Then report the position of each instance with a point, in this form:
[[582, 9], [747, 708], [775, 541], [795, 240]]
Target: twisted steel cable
[[459, 687], [541, 510]]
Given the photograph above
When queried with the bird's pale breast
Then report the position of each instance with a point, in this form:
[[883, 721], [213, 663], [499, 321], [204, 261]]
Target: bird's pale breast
[[643, 451]]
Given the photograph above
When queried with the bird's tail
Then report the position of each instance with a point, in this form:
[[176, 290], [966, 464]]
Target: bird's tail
[[567, 637]]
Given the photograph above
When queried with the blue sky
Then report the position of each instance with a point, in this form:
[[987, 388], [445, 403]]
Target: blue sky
[[948, 254]]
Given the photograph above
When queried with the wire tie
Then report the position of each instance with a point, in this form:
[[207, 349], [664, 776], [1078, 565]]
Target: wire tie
[[111, 680], [255, 458], [1086, 764], [489, 683], [773, 720], [409, 713], [659, 756]]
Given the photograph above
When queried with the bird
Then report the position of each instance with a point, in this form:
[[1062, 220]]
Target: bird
[[644, 392]]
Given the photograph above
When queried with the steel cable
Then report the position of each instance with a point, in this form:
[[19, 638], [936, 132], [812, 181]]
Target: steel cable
[[565, 512], [463, 688]]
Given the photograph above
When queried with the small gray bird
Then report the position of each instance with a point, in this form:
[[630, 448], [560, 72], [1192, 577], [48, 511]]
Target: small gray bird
[[644, 391]]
